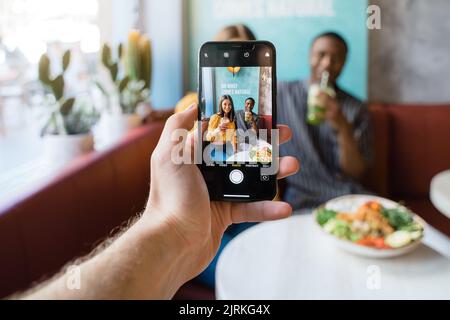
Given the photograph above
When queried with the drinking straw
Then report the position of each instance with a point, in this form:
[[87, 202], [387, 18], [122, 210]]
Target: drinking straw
[[324, 79]]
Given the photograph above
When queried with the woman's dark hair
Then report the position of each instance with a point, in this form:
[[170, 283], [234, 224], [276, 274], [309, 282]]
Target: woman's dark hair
[[221, 112], [240, 31]]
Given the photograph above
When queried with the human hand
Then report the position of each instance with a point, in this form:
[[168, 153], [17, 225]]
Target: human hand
[[333, 112], [179, 201], [223, 126]]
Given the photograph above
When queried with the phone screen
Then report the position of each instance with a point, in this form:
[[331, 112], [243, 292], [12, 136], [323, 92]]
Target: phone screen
[[237, 102]]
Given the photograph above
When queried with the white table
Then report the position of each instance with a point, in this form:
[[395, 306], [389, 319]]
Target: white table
[[290, 259], [440, 192]]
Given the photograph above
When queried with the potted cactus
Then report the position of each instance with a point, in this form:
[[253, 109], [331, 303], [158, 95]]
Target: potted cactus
[[68, 129], [130, 74]]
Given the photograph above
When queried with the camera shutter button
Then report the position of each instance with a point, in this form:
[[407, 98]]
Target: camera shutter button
[[236, 176]]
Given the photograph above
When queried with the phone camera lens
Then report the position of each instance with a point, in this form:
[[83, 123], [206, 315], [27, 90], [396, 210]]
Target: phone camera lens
[[246, 54]]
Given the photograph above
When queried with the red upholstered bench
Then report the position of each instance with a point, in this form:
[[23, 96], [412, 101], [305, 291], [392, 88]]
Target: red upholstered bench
[[67, 217], [411, 146]]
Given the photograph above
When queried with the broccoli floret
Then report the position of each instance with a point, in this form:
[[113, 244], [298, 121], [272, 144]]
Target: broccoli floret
[[323, 215]]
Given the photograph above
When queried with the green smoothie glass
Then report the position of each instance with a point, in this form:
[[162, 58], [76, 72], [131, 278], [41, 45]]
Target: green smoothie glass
[[316, 110]]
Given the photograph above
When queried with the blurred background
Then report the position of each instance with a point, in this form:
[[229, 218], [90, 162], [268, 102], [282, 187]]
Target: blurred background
[[412, 50], [114, 66]]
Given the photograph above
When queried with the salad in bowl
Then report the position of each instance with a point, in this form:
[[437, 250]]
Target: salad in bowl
[[370, 226], [261, 154]]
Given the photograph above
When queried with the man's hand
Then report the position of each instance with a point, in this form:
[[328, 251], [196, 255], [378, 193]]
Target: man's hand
[[173, 241], [333, 112], [179, 199], [351, 160]]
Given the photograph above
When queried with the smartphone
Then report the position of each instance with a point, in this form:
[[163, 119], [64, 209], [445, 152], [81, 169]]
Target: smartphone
[[237, 112]]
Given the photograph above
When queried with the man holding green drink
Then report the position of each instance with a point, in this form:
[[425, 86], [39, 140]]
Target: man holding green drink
[[331, 129]]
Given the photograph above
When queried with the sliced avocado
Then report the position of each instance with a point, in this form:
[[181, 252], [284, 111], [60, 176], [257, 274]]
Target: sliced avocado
[[398, 239]]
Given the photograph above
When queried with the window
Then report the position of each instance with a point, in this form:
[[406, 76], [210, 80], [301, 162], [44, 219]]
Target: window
[[28, 26]]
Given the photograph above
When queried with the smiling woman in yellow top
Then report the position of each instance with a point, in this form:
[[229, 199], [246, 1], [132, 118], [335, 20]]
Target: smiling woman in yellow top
[[222, 126]]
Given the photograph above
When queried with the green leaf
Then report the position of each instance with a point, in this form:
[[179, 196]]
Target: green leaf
[[44, 70], [323, 215], [67, 106], [398, 217], [101, 88], [66, 60], [57, 86], [123, 84], [114, 70], [106, 55], [120, 51]]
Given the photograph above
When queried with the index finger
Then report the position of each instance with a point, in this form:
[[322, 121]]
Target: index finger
[[285, 133]]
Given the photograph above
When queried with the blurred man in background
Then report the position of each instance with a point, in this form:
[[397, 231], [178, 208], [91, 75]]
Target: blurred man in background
[[334, 148]]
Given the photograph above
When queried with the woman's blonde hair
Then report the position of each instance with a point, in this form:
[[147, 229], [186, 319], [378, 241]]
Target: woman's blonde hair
[[235, 32]]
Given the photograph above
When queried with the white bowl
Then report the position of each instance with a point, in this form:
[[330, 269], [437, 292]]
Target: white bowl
[[351, 203]]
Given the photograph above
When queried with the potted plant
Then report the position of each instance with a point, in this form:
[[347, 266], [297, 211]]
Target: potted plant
[[68, 129], [130, 74]]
